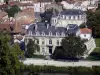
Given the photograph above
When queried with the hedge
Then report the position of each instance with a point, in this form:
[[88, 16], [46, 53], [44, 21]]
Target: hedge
[[95, 70]]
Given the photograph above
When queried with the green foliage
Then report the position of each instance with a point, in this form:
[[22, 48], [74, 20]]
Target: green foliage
[[73, 46], [93, 22], [9, 61], [82, 25], [58, 0], [95, 70], [31, 48], [12, 10]]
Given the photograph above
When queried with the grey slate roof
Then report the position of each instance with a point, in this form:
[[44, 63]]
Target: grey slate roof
[[72, 12], [42, 28], [73, 28]]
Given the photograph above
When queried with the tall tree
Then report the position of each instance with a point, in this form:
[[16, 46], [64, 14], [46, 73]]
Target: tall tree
[[93, 22], [31, 48], [9, 56]]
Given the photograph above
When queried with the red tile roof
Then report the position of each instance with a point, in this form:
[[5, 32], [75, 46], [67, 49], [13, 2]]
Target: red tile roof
[[85, 30]]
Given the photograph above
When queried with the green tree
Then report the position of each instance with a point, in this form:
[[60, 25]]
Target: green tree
[[13, 10], [73, 46], [31, 48], [93, 22], [9, 56]]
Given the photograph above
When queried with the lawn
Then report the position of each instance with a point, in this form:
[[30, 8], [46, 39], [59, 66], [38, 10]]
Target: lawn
[[96, 50], [97, 41]]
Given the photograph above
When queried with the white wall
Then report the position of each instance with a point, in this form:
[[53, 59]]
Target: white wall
[[85, 36], [46, 43]]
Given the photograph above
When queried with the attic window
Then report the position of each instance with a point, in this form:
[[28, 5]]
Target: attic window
[[50, 33], [43, 33], [30, 32], [37, 33], [57, 33], [63, 34]]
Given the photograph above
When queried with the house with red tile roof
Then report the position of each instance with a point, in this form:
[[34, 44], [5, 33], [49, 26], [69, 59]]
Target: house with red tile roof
[[3, 16], [85, 33]]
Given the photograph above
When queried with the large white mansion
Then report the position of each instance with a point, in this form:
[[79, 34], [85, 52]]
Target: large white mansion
[[49, 35]]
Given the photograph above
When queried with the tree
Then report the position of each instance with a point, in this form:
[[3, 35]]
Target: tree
[[9, 56], [58, 1], [13, 10], [31, 48], [71, 47], [93, 22], [59, 53]]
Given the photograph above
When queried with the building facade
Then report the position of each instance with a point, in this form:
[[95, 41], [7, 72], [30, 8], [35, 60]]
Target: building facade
[[48, 37], [69, 16]]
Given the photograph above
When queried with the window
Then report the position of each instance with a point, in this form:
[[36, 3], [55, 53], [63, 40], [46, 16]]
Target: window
[[30, 32], [42, 41], [43, 33], [57, 33], [50, 41], [69, 17], [84, 35], [63, 34], [74, 17], [50, 33], [37, 33], [57, 42], [37, 41], [43, 50]]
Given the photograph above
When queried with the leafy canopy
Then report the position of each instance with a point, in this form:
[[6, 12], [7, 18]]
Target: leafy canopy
[[9, 61]]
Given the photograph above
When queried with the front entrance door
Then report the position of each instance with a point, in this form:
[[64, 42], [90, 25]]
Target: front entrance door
[[50, 49]]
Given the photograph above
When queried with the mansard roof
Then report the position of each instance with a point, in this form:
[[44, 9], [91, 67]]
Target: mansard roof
[[72, 12], [42, 27]]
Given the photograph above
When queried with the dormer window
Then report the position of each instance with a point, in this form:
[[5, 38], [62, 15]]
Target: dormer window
[[30, 32], [43, 33], [57, 33], [37, 33], [50, 33], [62, 34]]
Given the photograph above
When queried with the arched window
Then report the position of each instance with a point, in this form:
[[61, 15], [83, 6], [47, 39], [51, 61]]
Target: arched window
[[50, 41], [58, 42]]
